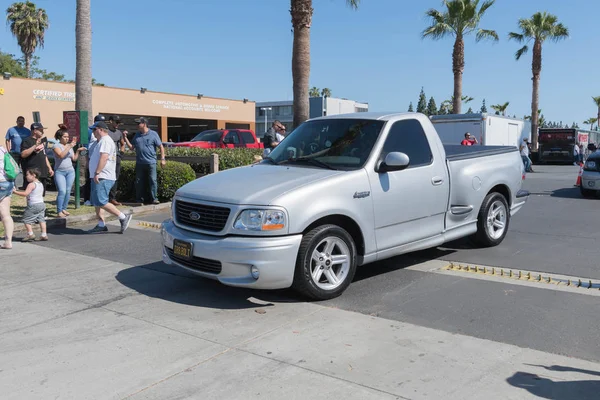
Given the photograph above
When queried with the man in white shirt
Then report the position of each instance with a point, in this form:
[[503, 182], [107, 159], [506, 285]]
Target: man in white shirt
[[102, 168], [576, 158], [524, 149]]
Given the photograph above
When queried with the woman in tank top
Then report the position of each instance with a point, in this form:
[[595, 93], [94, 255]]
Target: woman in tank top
[[64, 173], [6, 189]]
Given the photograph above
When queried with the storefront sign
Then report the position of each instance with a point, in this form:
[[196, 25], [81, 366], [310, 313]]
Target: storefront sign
[[186, 106], [53, 95]]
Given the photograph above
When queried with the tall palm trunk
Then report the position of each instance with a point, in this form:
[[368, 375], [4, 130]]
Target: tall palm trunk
[[83, 47], [458, 66], [536, 69], [27, 64], [301, 12]]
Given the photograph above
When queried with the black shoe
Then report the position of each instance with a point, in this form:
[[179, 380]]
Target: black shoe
[[98, 229], [125, 222]]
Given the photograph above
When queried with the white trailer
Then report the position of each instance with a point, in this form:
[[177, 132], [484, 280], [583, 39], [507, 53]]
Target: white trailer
[[489, 129]]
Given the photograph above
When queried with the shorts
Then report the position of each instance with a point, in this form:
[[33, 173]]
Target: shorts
[[100, 192], [6, 189], [35, 213]]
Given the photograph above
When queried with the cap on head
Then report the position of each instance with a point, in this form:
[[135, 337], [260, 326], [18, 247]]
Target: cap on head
[[142, 120], [114, 118], [99, 117], [100, 124], [38, 126]]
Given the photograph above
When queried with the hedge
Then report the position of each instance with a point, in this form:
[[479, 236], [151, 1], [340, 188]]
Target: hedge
[[169, 178], [228, 158]]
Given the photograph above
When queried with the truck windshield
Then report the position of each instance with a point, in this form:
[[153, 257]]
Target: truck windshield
[[333, 143], [208, 136]]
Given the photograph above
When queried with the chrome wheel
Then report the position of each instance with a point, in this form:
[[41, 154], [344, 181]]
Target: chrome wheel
[[330, 263], [496, 220]]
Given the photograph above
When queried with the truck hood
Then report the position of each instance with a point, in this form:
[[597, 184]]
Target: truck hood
[[252, 185]]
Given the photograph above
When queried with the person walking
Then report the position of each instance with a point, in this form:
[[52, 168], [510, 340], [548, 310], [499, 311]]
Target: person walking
[[87, 188], [35, 212], [33, 155], [6, 190], [103, 160], [271, 140], [145, 143], [117, 136], [64, 172], [524, 150], [14, 138]]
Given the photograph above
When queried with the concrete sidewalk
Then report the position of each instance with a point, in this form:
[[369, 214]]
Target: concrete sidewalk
[[78, 327]]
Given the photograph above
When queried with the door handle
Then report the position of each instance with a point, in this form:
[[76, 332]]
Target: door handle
[[436, 181]]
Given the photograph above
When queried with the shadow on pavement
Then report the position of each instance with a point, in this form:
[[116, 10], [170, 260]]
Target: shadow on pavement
[[184, 288], [556, 390]]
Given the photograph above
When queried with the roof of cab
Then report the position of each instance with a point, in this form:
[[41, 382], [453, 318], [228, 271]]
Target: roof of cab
[[366, 115]]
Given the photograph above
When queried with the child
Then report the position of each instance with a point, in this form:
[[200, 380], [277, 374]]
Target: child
[[36, 208]]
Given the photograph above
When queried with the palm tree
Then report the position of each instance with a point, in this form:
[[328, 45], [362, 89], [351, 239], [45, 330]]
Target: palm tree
[[83, 48], [459, 19], [449, 104], [301, 12], [540, 27], [591, 121], [326, 92], [28, 24], [314, 92], [501, 108], [597, 102]]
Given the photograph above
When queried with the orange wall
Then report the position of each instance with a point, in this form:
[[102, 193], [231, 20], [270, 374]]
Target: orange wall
[[23, 96]]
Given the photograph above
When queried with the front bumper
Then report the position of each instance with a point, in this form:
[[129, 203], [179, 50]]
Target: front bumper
[[520, 199], [274, 257], [590, 180]]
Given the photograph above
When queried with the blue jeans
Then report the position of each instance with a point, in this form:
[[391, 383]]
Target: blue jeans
[[145, 183], [64, 183]]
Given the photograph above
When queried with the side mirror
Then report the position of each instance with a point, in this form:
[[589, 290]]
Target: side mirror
[[395, 161]]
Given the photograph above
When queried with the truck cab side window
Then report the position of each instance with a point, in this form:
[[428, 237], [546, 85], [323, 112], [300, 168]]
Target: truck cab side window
[[247, 137], [407, 136], [232, 138]]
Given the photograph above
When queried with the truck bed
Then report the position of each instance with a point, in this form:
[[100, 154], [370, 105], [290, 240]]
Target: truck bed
[[457, 152]]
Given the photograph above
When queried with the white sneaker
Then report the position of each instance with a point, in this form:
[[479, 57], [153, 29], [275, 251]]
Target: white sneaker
[[88, 203]]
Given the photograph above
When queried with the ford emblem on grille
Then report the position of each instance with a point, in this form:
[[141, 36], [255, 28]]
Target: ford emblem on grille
[[194, 216]]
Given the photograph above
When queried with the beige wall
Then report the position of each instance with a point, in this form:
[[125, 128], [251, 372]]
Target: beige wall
[[23, 96]]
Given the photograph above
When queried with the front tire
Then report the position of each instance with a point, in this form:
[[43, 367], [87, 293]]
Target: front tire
[[586, 192], [492, 221], [326, 263]]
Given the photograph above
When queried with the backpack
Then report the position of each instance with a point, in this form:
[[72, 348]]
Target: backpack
[[11, 168]]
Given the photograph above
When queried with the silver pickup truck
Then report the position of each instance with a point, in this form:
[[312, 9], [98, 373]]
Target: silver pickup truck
[[339, 192]]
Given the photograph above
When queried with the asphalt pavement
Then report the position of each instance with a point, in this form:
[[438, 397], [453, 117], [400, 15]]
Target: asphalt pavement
[[554, 232]]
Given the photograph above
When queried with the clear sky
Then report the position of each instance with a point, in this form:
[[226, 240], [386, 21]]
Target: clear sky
[[242, 49]]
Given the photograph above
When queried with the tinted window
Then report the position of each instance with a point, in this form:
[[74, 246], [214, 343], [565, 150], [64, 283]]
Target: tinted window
[[247, 137], [232, 138], [208, 136], [407, 136]]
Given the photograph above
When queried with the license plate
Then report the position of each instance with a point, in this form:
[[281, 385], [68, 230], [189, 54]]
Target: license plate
[[182, 249]]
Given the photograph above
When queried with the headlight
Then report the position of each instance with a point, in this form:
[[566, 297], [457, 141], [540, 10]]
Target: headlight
[[260, 220], [590, 165]]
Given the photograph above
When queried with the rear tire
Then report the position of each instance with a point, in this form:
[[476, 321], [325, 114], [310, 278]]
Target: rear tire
[[492, 221], [326, 263]]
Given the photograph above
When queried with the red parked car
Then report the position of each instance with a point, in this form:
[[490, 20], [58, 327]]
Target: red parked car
[[222, 138]]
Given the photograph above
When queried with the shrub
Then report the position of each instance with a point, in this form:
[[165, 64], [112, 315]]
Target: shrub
[[169, 178], [228, 158]]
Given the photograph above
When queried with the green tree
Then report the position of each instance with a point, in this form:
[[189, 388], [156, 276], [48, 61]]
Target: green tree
[[501, 108], [483, 107], [8, 63], [83, 56], [539, 28], [326, 92], [410, 107], [432, 107], [301, 12], [591, 122], [459, 19], [28, 25], [597, 103], [470, 111], [445, 107], [314, 92], [422, 104]]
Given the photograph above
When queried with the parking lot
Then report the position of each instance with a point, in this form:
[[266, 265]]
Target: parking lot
[[104, 318]]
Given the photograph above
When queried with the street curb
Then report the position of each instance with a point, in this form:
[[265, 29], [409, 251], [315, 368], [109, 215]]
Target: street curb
[[62, 223]]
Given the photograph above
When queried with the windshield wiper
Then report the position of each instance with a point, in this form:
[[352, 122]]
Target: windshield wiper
[[313, 161]]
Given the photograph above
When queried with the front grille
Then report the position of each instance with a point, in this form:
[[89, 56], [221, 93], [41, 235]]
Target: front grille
[[196, 263], [211, 218]]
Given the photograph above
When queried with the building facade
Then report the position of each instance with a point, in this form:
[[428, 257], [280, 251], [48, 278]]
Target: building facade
[[174, 117], [319, 107]]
